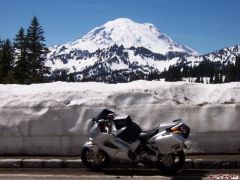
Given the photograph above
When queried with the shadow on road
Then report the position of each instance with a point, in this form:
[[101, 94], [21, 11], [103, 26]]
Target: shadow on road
[[194, 174]]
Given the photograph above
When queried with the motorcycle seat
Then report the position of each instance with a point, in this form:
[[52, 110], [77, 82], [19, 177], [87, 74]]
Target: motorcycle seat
[[146, 135]]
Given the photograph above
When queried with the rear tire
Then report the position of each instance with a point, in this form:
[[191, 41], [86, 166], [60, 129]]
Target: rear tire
[[94, 160], [172, 163]]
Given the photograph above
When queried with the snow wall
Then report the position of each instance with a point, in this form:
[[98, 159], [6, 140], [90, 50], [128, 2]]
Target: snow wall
[[54, 118]]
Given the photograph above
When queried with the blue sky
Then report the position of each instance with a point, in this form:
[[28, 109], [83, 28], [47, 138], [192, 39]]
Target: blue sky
[[204, 25]]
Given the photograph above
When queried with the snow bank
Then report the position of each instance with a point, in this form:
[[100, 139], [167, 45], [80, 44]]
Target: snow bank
[[54, 118]]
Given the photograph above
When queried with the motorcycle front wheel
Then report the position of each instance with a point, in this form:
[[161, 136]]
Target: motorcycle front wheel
[[94, 160], [172, 163]]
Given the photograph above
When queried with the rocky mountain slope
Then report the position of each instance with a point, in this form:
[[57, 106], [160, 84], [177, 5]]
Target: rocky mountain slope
[[123, 50]]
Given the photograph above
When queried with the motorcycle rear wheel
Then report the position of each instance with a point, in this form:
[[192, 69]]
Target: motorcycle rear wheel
[[172, 163], [94, 160]]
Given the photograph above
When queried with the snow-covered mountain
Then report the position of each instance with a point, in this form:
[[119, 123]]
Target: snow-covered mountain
[[222, 56], [123, 50], [124, 32]]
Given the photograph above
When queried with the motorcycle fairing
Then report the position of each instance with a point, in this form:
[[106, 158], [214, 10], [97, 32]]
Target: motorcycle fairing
[[168, 143]]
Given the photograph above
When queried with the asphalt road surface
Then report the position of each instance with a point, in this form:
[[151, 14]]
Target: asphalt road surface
[[139, 174]]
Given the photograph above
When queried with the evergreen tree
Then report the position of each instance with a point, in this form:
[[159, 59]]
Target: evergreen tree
[[216, 78], [178, 76], [0, 47], [6, 62], [237, 69], [173, 74], [71, 77], [197, 79], [221, 78], [197, 74], [60, 75], [169, 74], [212, 69], [154, 75], [36, 52], [22, 65], [230, 72]]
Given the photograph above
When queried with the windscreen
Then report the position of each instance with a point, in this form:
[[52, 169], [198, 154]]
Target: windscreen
[[104, 114]]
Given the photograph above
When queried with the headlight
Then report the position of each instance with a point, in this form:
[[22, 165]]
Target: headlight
[[182, 128]]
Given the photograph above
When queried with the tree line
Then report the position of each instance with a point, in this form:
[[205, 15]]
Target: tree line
[[23, 60], [215, 72]]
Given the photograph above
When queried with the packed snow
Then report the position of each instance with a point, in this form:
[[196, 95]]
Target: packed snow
[[54, 118]]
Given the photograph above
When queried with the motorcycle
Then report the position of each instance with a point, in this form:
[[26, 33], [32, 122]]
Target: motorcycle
[[120, 138]]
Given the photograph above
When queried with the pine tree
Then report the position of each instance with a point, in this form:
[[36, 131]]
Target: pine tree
[[230, 72], [237, 69], [178, 76], [6, 62], [36, 52], [22, 65], [212, 69], [0, 47], [216, 78], [173, 74], [71, 78], [221, 78], [169, 74]]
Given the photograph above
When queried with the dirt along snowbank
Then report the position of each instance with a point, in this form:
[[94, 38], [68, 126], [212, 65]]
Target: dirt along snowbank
[[54, 118]]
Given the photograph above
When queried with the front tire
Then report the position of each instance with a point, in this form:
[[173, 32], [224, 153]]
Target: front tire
[[172, 163], [94, 160]]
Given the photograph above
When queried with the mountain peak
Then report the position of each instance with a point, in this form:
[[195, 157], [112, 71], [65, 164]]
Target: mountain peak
[[126, 32], [121, 21]]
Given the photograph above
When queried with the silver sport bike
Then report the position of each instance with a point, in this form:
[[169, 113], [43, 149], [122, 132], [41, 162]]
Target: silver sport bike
[[119, 138]]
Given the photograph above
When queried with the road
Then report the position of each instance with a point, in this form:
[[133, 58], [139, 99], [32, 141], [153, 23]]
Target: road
[[140, 174]]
